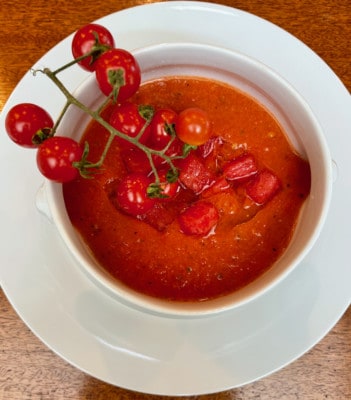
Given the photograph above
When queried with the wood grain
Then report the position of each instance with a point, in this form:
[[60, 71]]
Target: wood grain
[[29, 370]]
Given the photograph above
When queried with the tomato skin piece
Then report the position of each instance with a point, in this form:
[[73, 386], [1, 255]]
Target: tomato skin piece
[[160, 136], [114, 60], [132, 195], [84, 40], [263, 187], [126, 118], [55, 157], [198, 219], [24, 120], [241, 167], [193, 126]]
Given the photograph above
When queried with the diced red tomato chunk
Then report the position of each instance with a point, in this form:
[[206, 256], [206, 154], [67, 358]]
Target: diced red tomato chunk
[[207, 148], [194, 174], [220, 185], [198, 219], [240, 167], [159, 217], [263, 187]]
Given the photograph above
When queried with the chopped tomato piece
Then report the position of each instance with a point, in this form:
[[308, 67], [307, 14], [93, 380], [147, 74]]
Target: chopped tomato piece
[[220, 185], [159, 217], [207, 148], [194, 174], [240, 167], [263, 186], [198, 219]]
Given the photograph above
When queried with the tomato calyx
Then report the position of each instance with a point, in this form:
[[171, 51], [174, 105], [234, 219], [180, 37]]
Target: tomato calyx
[[97, 49], [116, 80], [164, 188], [41, 135]]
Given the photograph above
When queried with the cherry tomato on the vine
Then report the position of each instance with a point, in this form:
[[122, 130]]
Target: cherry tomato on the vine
[[127, 118], [84, 41], [118, 71], [193, 126], [162, 125], [132, 194], [167, 188], [55, 158], [25, 121]]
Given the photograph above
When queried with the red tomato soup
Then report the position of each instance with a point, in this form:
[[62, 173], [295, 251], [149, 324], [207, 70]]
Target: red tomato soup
[[253, 179]]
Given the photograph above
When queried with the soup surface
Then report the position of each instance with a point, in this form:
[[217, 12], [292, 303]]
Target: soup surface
[[150, 253]]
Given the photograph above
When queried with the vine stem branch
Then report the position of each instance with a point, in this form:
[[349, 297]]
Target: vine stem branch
[[71, 100]]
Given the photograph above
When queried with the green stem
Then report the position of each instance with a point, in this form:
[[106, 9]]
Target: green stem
[[84, 164], [59, 119]]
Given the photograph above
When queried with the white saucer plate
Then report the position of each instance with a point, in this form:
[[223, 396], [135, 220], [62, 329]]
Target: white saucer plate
[[157, 355]]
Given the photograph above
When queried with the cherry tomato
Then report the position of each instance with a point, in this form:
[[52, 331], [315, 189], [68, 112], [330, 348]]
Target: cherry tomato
[[84, 41], [168, 189], [132, 194], [117, 71], [161, 127], [55, 158], [127, 118], [136, 160], [25, 121], [193, 126]]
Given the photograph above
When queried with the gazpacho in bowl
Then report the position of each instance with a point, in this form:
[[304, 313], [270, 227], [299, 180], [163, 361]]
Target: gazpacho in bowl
[[218, 220]]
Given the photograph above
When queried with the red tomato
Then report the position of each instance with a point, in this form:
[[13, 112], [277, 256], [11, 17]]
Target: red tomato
[[263, 186], [126, 118], [25, 121], [161, 127], [193, 126], [198, 219], [132, 194], [84, 41], [55, 158], [168, 189], [240, 167], [136, 160], [194, 174], [220, 185], [118, 72]]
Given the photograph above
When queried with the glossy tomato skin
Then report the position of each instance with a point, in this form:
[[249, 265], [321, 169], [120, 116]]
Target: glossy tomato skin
[[24, 120], [132, 195], [84, 40], [136, 160], [168, 189], [110, 64], [160, 134], [193, 126], [127, 119], [55, 157]]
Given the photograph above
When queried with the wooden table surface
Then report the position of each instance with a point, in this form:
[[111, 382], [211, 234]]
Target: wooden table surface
[[28, 370]]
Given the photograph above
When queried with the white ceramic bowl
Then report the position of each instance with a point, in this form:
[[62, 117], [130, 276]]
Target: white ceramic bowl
[[294, 115]]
